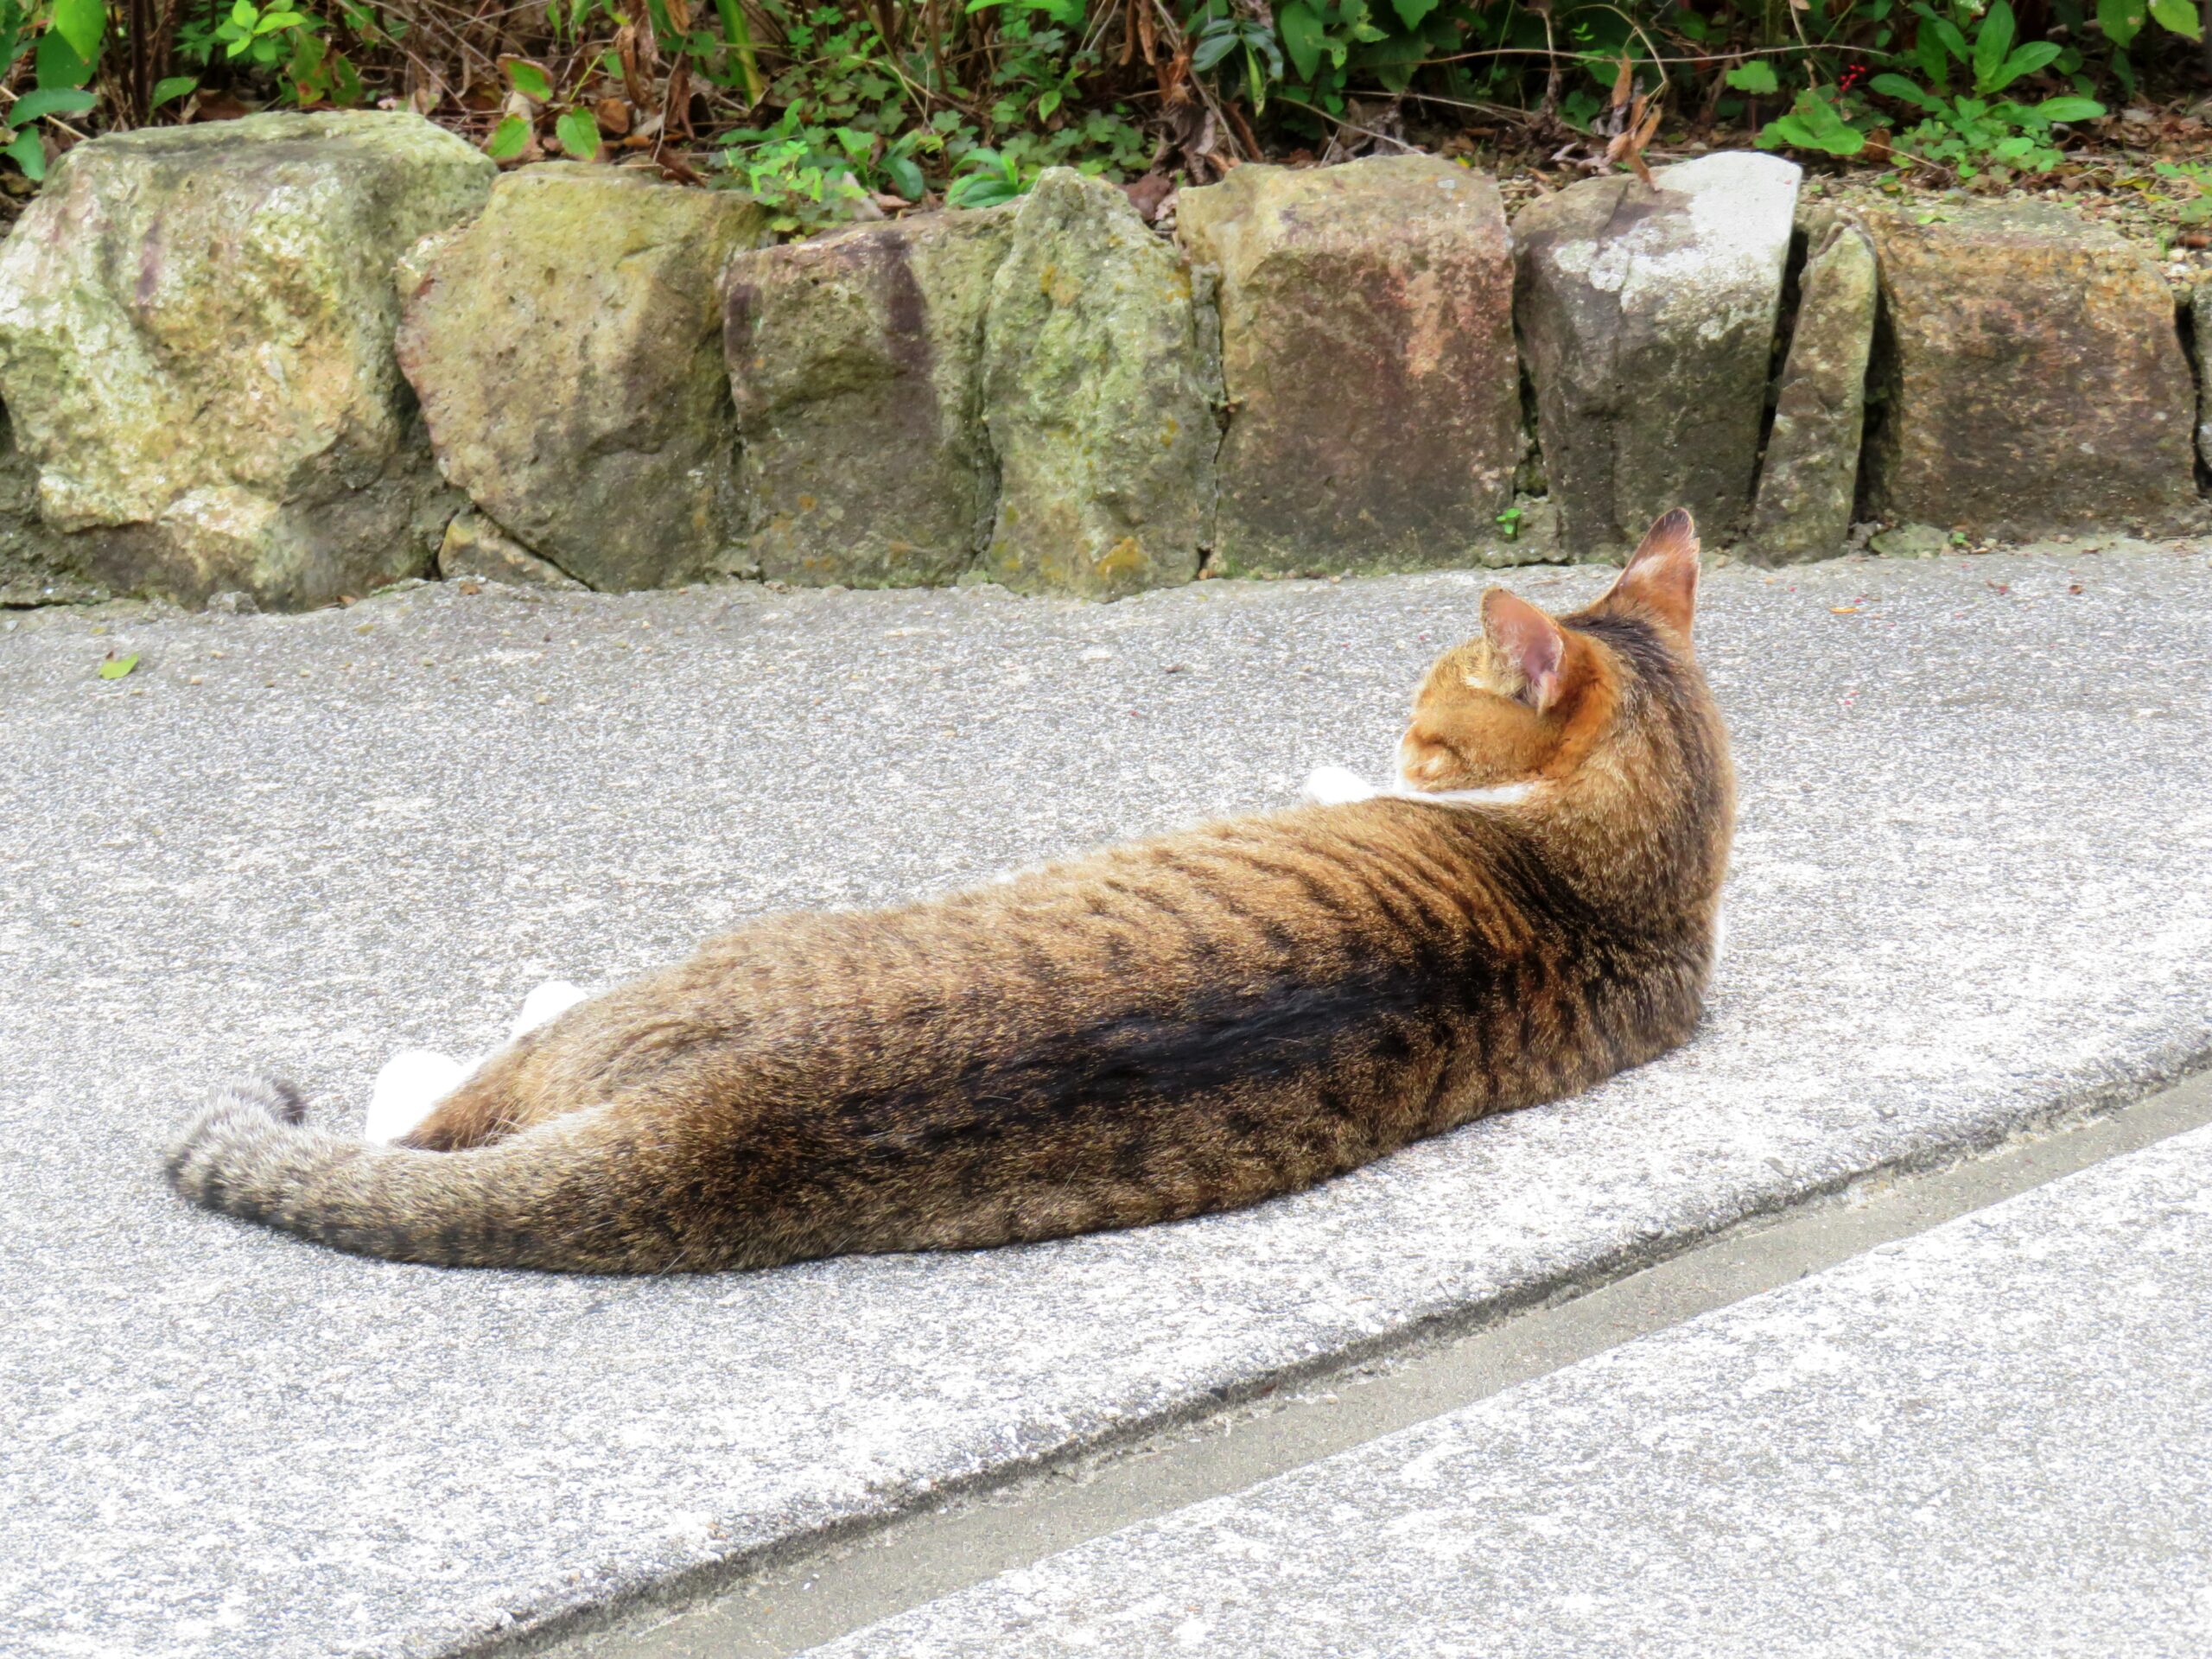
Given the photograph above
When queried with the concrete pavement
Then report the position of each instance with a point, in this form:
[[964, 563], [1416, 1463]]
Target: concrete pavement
[[1995, 1440], [1969, 895]]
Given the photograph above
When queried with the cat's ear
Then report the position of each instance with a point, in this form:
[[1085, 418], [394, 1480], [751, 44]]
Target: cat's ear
[[1660, 578], [1530, 641]]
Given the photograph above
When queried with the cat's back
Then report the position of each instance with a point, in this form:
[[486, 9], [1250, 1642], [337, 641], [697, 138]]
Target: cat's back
[[1258, 935]]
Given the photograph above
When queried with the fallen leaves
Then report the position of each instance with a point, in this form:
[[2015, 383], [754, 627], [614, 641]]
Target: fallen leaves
[[1633, 119], [113, 667]]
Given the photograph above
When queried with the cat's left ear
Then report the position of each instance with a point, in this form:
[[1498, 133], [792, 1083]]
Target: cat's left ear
[[1530, 641], [1660, 578]]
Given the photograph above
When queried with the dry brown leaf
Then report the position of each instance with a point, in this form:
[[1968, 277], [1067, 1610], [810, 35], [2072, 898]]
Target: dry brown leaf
[[1625, 82], [612, 115], [630, 50], [675, 102], [1624, 148], [1635, 137], [1146, 194]]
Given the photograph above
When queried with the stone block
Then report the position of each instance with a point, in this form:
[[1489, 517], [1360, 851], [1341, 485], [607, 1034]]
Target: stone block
[[38, 566], [1809, 479], [475, 546], [2029, 377], [1101, 375], [1373, 387], [567, 349], [856, 364], [196, 331], [1647, 319]]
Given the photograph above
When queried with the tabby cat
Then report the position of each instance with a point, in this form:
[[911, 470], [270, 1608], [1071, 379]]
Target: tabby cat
[[1161, 1029]]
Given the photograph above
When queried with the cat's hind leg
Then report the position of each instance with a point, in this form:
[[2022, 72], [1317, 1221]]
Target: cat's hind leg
[[414, 1080], [544, 1006], [407, 1090]]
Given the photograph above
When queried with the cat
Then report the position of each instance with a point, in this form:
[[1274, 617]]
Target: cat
[[1157, 1030]]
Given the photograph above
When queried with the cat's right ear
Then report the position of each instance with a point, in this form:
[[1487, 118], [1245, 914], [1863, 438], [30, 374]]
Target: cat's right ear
[[1530, 641]]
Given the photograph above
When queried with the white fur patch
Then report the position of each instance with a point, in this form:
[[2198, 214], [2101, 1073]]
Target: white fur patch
[[1496, 794], [1337, 786], [544, 1006], [413, 1081], [409, 1087]]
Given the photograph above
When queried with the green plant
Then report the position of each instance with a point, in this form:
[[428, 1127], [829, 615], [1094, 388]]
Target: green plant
[[864, 110], [807, 176], [1979, 132], [1820, 119], [283, 41], [988, 177], [2121, 21], [2192, 204], [63, 57], [1334, 46], [1221, 30]]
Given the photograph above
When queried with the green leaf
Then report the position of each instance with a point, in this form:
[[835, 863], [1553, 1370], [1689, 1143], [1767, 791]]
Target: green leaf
[[2035, 56], [530, 80], [1410, 12], [80, 22], [579, 134], [58, 64], [2069, 109], [49, 100], [1948, 33], [1756, 77], [1213, 46], [980, 190], [1927, 52], [172, 87], [1302, 38], [29, 155], [1992, 44], [906, 177], [1813, 123], [2121, 20], [508, 139], [114, 668], [1908, 91], [2179, 16]]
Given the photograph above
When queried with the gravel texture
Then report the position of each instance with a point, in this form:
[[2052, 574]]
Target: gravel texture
[[1977, 813], [1987, 1441]]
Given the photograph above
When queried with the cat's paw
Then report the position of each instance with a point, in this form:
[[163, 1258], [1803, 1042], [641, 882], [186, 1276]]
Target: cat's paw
[[1337, 786], [410, 1084], [544, 1006]]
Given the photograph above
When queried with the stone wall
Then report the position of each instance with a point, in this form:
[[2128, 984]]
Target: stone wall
[[297, 357]]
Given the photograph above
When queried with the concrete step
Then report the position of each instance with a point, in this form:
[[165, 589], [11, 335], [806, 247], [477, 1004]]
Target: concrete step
[[1993, 1439], [1976, 806]]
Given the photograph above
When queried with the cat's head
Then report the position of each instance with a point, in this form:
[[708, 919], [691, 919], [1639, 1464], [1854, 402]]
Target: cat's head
[[1611, 690]]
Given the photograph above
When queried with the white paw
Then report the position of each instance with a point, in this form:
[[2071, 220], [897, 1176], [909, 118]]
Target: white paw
[[547, 1003], [411, 1084], [1337, 786]]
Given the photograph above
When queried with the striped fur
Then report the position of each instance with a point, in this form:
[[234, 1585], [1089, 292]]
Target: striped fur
[[1158, 1030]]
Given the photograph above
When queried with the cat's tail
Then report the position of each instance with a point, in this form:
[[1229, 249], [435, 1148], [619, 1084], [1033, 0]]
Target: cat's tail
[[570, 1195]]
